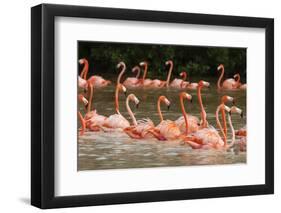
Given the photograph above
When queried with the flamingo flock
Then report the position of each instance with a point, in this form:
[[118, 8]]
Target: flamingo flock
[[188, 129]]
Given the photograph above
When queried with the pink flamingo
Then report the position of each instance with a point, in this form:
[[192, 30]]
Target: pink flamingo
[[83, 100], [117, 121], [93, 120], [225, 99], [228, 84], [156, 83], [83, 124], [180, 83], [203, 122], [145, 82], [142, 128], [96, 80], [167, 128], [133, 81], [192, 121], [241, 142], [207, 138], [238, 83]]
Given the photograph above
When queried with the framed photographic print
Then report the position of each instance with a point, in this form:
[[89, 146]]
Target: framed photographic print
[[139, 106]]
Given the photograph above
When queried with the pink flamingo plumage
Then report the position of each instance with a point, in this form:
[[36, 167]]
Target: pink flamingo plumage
[[117, 121], [228, 84], [94, 121], [238, 83], [241, 141], [142, 128], [133, 82], [225, 99], [180, 83], [83, 124], [167, 128], [156, 83], [97, 81], [192, 121]]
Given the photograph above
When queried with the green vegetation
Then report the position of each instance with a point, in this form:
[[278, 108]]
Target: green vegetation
[[196, 60]]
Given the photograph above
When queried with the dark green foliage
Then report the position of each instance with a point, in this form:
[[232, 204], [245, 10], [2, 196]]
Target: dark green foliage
[[196, 60]]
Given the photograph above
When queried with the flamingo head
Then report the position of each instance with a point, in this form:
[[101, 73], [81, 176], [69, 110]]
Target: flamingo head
[[187, 96], [182, 74], [122, 88], [82, 60], [120, 64], [83, 100], [226, 98], [203, 84], [143, 63], [136, 68], [236, 76], [237, 110], [132, 97], [220, 67], [169, 62], [165, 100]]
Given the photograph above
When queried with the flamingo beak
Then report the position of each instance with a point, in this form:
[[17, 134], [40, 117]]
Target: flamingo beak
[[86, 106], [137, 105], [168, 107], [125, 93], [85, 91], [191, 100], [241, 114], [233, 102]]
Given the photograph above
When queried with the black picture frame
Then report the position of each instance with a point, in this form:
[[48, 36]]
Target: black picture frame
[[43, 117]]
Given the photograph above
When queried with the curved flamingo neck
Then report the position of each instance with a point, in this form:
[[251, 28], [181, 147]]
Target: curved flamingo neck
[[184, 76], [220, 78], [169, 74], [203, 112], [232, 131], [90, 97], [223, 117], [184, 114], [130, 111], [138, 72], [219, 123], [237, 78], [121, 74], [85, 70], [83, 124], [144, 72], [117, 99], [159, 109]]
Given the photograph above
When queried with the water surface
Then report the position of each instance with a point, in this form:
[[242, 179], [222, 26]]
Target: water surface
[[114, 150]]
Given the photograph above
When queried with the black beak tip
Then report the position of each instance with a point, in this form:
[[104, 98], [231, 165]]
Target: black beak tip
[[86, 105], [168, 107], [242, 115], [125, 93], [85, 91], [191, 100], [137, 106]]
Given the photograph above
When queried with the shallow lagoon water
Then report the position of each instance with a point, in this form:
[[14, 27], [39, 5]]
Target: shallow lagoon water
[[115, 150]]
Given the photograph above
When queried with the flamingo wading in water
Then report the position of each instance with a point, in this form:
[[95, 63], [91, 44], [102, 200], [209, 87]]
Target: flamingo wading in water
[[97, 81], [228, 84], [142, 128], [192, 121]]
